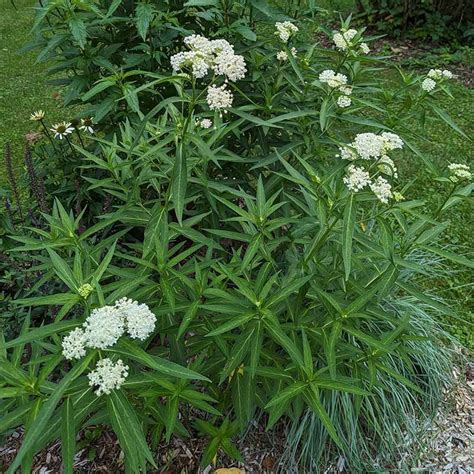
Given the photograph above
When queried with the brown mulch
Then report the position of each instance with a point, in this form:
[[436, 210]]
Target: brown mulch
[[446, 447], [449, 442]]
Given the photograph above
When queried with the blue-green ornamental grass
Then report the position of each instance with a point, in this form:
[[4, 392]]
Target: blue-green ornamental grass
[[232, 241]]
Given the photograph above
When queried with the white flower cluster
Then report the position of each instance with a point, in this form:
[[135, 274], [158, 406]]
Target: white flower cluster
[[357, 178], [204, 55], [104, 326], [283, 55], [382, 189], [337, 81], [459, 171], [343, 41], [332, 79], [108, 376], [370, 146], [219, 98], [285, 30], [433, 77], [217, 55], [204, 123]]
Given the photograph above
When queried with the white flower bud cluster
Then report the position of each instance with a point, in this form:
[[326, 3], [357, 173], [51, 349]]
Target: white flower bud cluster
[[283, 55], [433, 77], [285, 30], [459, 171], [343, 42], [104, 326], [370, 146], [108, 376], [204, 123]]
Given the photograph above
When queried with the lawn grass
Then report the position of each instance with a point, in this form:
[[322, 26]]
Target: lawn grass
[[23, 86], [23, 89]]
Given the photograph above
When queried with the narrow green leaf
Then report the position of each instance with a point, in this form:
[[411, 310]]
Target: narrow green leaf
[[131, 350], [179, 183], [68, 436], [47, 410], [347, 233]]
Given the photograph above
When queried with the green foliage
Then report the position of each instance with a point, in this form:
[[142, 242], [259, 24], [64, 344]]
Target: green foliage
[[278, 292], [431, 19]]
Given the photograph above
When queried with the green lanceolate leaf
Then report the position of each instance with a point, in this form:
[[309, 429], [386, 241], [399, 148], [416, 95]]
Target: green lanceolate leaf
[[41, 421], [311, 395], [348, 225], [180, 180], [42, 332], [68, 436], [126, 426], [143, 18], [131, 350]]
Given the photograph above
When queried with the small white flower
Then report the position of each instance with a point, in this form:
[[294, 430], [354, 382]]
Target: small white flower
[[62, 130], [282, 56], [382, 189], [347, 153], [204, 123], [342, 40], [74, 344], [108, 376], [356, 179], [139, 320], [391, 141], [435, 74], [294, 52], [458, 170], [346, 90], [230, 65], [364, 48], [447, 74], [86, 125], [332, 79], [206, 54], [368, 145], [285, 30], [428, 85], [344, 101], [37, 115], [219, 98], [103, 327]]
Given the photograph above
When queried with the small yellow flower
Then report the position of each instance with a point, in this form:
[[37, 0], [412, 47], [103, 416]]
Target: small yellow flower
[[37, 115]]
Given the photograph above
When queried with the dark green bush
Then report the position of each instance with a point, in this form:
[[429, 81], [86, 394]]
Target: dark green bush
[[282, 293]]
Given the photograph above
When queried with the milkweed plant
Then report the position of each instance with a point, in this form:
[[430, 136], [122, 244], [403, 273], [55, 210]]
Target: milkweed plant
[[256, 264]]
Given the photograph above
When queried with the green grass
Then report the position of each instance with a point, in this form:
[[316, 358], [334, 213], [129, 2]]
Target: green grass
[[23, 89], [443, 146], [23, 86]]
